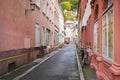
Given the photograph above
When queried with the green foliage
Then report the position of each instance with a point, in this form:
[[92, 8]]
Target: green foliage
[[63, 0], [69, 16], [66, 5], [69, 5], [89, 73], [74, 4]]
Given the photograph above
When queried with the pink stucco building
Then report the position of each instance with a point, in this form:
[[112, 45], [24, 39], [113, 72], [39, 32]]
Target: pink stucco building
[[23, 31], [101, 33]]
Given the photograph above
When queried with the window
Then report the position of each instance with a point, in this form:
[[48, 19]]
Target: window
[[47, 36], [53, 1], [56, 37], [43, 36], [38, 3], [96, 37], [47, 9], [104, 35], [44, 5], [107, 3], [108, 34], [37, 35], [50, 13], [110, 2], [52, 16]]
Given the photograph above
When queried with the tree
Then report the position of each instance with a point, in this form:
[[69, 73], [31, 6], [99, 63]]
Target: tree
[[66, 5], [69, 6], [74, 4], [69, 16]]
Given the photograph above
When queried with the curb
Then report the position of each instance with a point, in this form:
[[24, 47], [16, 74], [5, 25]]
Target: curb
[[79, 67], [29, 70]]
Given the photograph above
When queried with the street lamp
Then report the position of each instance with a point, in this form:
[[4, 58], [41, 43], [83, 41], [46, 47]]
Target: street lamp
[[32, 8]]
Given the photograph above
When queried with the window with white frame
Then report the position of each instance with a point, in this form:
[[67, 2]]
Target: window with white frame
[[43, 36], [110, 2], [37, 35], [104, 35], [47, 36], [108, 34], [44, 6], [38, 3], [52, 16], [48, 11], [96, 37], [53, 1]]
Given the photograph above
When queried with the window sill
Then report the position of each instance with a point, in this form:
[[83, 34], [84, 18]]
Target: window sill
[[108, 60], [38, 6]]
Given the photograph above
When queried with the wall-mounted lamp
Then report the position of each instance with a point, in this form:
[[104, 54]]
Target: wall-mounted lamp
[[32, 8]]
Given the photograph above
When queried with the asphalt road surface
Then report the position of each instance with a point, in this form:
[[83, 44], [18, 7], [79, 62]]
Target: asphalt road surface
[[62, 66]]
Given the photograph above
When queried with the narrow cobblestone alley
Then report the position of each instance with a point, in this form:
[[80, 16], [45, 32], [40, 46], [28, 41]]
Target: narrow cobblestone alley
[[62, 66]]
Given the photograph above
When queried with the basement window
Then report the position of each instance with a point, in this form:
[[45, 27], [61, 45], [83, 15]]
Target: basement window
[[11, 66]]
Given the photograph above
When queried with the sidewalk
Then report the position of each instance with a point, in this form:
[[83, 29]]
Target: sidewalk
[[25, 69], [89, 73]]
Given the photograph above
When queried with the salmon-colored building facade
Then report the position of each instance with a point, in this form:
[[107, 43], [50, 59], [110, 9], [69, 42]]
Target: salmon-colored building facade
[[24, 30], [101, 34]]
